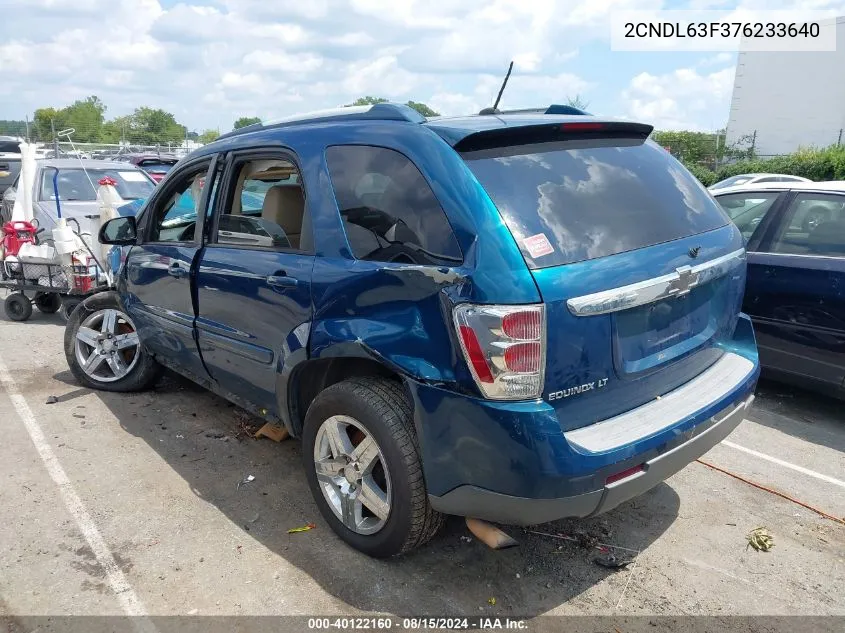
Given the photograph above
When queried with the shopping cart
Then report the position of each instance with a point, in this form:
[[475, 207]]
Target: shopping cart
[[50, 287]]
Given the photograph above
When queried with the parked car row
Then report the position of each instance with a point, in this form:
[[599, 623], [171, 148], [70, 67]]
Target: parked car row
[[76, 182]]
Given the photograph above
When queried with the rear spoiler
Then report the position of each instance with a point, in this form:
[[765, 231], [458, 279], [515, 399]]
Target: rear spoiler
[[555, 108], [551, 132]]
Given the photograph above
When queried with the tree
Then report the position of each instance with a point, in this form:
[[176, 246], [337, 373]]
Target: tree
[[208, 136], [41, 123], [423, 109], [577, 102], [245, 121], [362, 101], [117, 130], [152, 126], [86, 118], [12, 128]]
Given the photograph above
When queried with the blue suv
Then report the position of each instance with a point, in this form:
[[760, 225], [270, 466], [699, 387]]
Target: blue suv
[[517, 317]]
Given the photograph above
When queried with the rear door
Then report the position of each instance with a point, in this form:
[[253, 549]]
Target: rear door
[[796, 289], [254, 279], [157, 276], [641, 271]]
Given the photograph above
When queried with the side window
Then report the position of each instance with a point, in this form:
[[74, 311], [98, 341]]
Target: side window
[[747, 210], [389, 212], [769, 179], [814, 224], [175, 214], [266, 208]]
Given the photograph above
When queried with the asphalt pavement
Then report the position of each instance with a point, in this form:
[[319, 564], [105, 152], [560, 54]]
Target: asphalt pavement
[[119, 504]]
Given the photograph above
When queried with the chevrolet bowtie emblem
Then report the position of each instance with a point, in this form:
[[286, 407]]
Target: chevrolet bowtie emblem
[[685, 281]]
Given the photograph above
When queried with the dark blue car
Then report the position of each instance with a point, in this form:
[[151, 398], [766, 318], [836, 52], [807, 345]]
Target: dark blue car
[[514, 317], [796, 278]]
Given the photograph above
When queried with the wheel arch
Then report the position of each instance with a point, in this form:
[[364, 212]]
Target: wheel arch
[[310, 377]]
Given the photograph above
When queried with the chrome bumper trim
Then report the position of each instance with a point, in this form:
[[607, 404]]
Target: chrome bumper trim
[[711, 385]]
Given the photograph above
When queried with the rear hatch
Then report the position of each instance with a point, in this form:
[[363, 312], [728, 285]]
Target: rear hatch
[[641, 272]]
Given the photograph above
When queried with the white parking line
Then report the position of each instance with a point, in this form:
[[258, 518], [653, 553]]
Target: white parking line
[[129, 600], [780, 462]]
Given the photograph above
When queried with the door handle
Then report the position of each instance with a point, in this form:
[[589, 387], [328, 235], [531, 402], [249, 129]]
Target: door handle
[[177, 270], [281, 281]]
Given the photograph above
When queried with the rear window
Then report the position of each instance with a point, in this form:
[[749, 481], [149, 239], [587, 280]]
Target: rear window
[[575, 200], [733, 181], [77, 185], [157, 167]]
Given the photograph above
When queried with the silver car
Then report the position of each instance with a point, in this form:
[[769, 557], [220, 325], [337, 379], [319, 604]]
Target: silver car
[[76, 182]]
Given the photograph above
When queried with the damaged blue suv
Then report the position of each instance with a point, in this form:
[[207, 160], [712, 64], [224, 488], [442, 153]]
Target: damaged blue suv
[[517, 317]]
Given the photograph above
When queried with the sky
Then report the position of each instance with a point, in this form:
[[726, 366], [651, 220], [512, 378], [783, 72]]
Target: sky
[[212, 61]]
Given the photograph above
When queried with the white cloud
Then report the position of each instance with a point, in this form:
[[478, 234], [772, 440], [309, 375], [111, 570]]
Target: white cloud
[[211, 61], [681, 99]]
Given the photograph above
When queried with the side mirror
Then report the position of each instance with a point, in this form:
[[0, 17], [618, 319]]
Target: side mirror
[[119, 231]]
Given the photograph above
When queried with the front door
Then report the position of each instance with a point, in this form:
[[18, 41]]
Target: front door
[[254, 278], [796, 290], [157, 276]]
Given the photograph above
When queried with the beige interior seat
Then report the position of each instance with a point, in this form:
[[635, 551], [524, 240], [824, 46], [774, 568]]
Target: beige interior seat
[[285, 206]]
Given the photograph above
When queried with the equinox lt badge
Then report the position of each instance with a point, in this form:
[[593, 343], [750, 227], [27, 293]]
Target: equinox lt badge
[[571, 391]]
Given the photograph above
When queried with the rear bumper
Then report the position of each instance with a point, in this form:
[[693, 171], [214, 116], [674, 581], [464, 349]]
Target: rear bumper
[[513, 462], [477, 502]]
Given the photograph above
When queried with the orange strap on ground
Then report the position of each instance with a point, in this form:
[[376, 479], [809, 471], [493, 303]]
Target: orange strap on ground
[[774, 492]]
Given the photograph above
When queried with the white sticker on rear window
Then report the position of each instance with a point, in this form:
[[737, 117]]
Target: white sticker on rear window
[[133, 176], [538, 245]]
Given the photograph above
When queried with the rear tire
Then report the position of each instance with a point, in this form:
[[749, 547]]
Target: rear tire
[[48, 302], [103, 350], [379, 409], [18, 307]]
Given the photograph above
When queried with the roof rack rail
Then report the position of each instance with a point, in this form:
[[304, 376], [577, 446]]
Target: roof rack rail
[[375, 112], [555, 108]]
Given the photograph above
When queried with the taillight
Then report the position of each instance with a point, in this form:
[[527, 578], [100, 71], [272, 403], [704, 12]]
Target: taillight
[[505, 348]]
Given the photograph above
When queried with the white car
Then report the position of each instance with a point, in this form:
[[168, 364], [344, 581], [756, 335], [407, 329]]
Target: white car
[[755, 179]]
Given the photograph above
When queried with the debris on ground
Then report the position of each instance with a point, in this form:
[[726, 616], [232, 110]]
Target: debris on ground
[[52, 400], [246, 424], [491, 602], [586, 540], [489, 534], [215, 434], [760, 539], [273, 432], [304, 528], [613, 562], [246, 480]]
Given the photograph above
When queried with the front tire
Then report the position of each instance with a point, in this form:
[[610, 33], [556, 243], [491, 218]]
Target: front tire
[[103, 350], [362, 461]]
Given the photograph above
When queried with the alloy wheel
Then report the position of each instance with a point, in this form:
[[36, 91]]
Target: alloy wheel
[[107, 345], [352, 474]]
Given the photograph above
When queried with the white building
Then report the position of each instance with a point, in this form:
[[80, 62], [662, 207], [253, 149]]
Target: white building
[[791, 100]]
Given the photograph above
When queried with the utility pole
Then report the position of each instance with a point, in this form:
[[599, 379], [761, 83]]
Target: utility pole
[[55, 138], [839, 142]]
